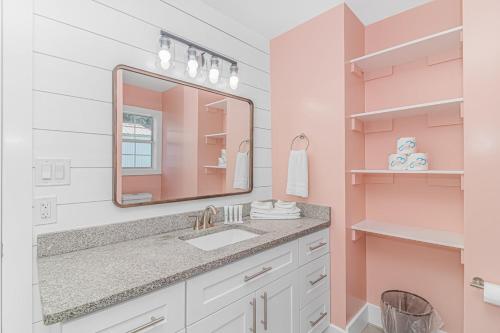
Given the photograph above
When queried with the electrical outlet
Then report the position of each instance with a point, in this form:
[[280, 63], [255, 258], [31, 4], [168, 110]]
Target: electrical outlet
[[45, 210]]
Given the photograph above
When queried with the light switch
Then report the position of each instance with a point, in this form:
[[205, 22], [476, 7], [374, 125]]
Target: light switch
[[52, 172]]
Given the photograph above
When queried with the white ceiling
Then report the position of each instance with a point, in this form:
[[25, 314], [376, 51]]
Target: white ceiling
[[271, 18], [147, 82]]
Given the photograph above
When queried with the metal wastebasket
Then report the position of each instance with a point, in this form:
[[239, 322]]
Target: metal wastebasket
[[404, 312]]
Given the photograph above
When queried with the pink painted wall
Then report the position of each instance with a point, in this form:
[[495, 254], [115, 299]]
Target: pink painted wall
[[432, 272], [307, 84], [148, 99], [180, 143], [482, 158]]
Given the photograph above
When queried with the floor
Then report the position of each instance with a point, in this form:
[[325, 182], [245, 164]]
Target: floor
[[372, 329]]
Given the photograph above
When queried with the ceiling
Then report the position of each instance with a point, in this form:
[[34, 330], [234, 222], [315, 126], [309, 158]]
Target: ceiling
[[147, 82], [271, 18]]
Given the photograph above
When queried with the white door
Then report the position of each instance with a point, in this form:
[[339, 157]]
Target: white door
[[278, 306], [238, 317]]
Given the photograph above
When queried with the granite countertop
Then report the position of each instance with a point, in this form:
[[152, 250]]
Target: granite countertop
[[77, 283]]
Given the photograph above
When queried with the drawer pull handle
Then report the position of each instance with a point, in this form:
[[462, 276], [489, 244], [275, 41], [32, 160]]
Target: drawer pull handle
[[153, 322], [315, 247], [253, 303], [253, 276], [264, 322], [315, 322], [321, 277]]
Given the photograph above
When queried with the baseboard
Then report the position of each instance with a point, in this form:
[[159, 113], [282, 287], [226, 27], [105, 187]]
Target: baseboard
[[369, 314]]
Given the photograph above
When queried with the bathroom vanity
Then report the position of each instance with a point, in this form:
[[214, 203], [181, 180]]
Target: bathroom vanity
[[114, 279]]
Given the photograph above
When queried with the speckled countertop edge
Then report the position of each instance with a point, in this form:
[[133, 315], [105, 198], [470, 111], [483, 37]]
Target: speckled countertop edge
[[84, 309]]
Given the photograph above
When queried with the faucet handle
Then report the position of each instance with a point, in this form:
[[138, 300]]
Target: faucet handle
[[196, 225]]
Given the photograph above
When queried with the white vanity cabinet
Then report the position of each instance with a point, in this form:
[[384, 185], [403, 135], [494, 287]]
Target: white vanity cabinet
[[285, 289]]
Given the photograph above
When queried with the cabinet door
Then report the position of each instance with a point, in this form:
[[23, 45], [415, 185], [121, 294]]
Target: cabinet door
[[278, 306], [238, 317]]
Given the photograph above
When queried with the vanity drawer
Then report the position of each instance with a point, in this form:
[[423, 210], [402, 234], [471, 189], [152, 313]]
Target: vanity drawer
[[213, 290], [314, 279], [315, 317], [161, 311], [314, 246]]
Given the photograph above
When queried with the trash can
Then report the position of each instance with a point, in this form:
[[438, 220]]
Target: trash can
[[404, 312]]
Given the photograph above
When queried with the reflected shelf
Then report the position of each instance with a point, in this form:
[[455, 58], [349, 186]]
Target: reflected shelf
[[426, 172]]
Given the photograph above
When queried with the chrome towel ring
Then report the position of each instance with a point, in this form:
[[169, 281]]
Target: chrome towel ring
[[242, 143], [301, 136]]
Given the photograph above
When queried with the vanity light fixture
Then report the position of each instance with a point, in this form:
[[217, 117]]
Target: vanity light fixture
[[196, 60]]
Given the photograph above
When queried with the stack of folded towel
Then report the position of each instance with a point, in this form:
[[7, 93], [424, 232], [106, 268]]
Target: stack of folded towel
[[282, 210]]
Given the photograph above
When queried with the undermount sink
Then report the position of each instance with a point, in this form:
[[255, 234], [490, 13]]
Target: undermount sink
[[219, 239]]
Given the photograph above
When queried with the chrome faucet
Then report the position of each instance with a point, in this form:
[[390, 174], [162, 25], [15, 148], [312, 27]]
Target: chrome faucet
[[207, 216]]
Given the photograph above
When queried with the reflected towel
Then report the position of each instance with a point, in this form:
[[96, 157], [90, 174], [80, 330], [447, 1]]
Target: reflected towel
[[241, 173], [298, 177], [133, 198]]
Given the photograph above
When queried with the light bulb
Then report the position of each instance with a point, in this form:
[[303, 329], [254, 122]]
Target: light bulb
[[233, 79], [192, 64], [165, 52], [213, 74]]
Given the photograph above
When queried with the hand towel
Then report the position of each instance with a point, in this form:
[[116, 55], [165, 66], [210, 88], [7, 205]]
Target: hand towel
[[241, 173], [298, 174], [285, 204]]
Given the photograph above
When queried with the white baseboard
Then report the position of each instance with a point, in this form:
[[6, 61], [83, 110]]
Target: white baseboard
[[369, 314]]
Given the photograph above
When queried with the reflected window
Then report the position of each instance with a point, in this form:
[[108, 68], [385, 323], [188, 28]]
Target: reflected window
[[141, 141]]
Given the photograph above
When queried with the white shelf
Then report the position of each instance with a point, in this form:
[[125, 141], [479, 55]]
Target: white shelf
[[218, 105], [430, 236], [411, 51], [445, 106], [216, 135], [213, 167], [427, 172]]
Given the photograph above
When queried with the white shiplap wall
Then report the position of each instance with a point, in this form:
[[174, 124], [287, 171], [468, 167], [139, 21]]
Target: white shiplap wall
[[76, 45]]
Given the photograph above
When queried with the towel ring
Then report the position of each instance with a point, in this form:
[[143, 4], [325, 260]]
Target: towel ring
[[242, 143], [301, 136]]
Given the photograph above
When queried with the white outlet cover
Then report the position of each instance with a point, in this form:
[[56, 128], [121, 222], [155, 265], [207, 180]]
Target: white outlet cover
[[38, 210]]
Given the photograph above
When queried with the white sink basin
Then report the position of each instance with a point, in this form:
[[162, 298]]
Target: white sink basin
[[220, 239]]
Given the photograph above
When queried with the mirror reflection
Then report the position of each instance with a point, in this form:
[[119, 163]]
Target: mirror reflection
[[176, 141]]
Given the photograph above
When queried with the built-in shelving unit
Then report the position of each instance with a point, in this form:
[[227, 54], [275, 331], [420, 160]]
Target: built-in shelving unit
[[443, 106], [426, 172], [218, 105], [419, 48], [430, 236]]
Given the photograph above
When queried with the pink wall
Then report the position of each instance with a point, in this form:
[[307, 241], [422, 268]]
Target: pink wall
[[482, 158], [307, 84], [148, 99], [180, 143]]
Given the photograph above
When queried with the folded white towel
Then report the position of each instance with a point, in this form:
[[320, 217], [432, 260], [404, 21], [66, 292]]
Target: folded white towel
[[241, 174], [276, 211], [274, 217], [262, 204], [298, 174], [285, 204]]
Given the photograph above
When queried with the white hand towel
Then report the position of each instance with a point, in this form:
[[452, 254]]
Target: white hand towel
[[262, 205], [241, 174], [285, 204], [298, 174]]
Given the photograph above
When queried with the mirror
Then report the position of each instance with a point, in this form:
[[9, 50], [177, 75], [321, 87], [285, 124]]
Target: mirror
[[176, 141]]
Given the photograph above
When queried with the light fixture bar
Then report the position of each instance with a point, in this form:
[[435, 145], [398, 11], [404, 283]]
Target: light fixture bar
[[198, 47]]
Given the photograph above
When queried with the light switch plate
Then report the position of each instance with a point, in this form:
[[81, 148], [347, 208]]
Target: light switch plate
[[45, 210], [52, 172]]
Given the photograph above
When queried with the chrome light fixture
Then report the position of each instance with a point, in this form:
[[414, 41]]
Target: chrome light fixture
[[196, 61]]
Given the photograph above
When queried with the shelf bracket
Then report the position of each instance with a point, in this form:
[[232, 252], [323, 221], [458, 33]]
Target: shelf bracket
[[379, 73], [356, 235], [356, 71], [356, 179], [462, 256], [357, 125], [462, 110], [462, 182]]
